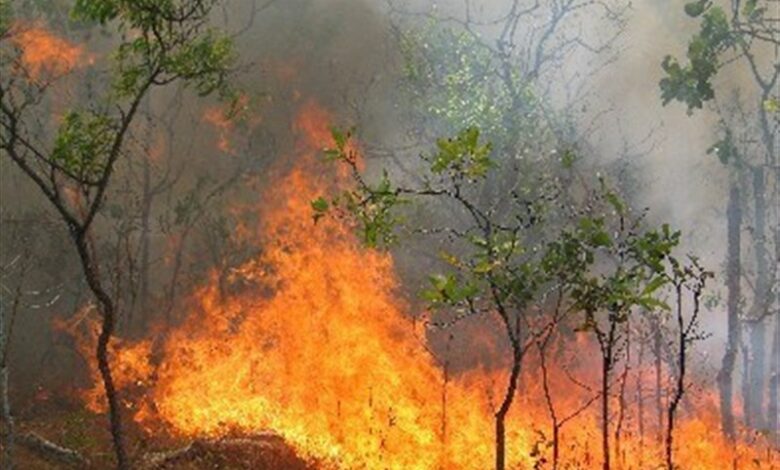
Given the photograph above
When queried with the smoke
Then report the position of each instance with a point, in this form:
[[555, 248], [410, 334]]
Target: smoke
[[344, 53]]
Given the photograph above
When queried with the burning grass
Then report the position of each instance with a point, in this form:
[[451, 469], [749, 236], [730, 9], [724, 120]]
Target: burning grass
[[331, 363]]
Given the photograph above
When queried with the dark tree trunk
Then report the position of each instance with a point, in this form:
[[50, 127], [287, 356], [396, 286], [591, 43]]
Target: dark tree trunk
[[679, 388], [605, 411], [146, 211], [7, 429], [726, 373], [640, 397], [108, 311], [657, 351], [606, 344], [757, 364], [774, 381], [506, 404]]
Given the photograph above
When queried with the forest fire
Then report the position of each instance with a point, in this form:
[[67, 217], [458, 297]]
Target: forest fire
[[44, 52], [318, 347], [497, 263]]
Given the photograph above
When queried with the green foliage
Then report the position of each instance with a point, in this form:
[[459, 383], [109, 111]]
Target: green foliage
[[691, 83], [170, 41], [568, 157], [612, 264], [451, 78], [772, 105], [375, 211], [454, 81], [373, 206], [446, 290], [604, 264], [203, 62], [320, 207], [145, 15], [82, 143], [6, 17], [100, 11], [725, 149], [166, 41], [462, 155]]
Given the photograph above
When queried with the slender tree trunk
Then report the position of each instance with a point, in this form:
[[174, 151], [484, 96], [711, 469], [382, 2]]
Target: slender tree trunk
[[745, 383], [757, 369], [725, 375], [146, 210], [108, 311], [555, 424], [774, 382], [622, 399], [605, 411], [506, 404], [657, 351], [8, 431], [606, 344], [679, 388], [640, 399]]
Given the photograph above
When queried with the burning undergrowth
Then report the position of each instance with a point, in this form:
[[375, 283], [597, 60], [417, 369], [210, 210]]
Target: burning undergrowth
[[318, 346]]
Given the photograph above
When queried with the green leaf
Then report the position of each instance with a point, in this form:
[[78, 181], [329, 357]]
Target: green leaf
[[616, 203], [651, 303], [568, 157], [772, 105], [652, 286], [320, 206], [696, 8]]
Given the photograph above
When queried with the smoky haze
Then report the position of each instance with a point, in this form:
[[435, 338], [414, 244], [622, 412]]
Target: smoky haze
[[345, 55]]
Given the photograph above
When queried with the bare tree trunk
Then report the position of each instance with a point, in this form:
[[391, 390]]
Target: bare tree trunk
[[108, 311], [8, 433], [725, 375], [605, 411], [679, 388], [745, 381], [657, 351], [506, 404], [607, 358], [622, 398], [774, 381], [640, 398], [7, 322], [757, 365], [146, 210]]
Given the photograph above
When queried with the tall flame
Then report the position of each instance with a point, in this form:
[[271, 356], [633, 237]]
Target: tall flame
[[320, 349]]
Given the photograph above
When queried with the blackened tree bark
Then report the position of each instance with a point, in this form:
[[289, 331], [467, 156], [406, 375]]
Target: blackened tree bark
[[733, 270]]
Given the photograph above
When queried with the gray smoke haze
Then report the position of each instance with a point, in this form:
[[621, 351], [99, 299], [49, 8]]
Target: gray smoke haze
[[343, 53]]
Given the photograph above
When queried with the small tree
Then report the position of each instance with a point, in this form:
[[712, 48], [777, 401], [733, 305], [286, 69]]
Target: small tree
[[740, 34], [162, 42], [604, 262], [692, 279], [496, 268], [611, 266]]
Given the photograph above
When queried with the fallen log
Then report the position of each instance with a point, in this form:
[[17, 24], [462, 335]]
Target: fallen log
[[259, 451], [51, 452]]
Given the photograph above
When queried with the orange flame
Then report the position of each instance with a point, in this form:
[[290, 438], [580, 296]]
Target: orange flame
[[45, 53], [321, 350], [224, 120]]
